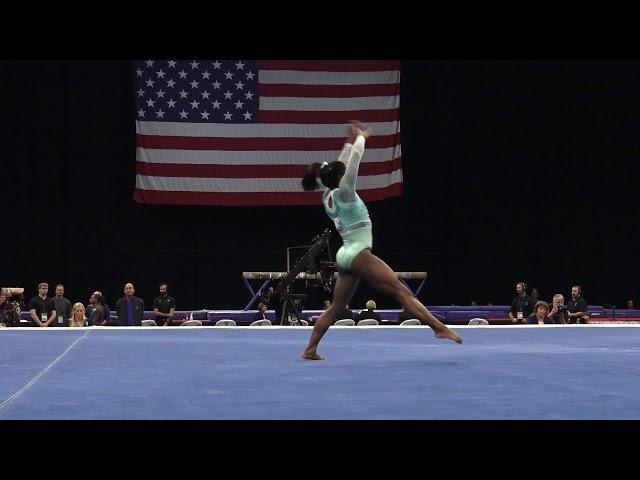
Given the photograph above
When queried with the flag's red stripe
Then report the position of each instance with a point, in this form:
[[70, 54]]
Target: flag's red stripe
[[257, 143], [330, 65], [327, 91], [254, 198], [306, 117], [250, 171]]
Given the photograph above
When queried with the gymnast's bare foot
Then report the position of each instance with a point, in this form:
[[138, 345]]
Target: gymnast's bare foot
[[311, 355], [450, 334]]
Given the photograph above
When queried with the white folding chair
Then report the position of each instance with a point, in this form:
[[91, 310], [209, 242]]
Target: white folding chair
[[261, 323], [345, 322], [411, 321], [191, 323], [368, 321], [226, 322], [478, 321]]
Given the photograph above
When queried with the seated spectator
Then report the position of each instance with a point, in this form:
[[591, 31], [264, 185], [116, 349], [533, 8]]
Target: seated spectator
[[9, 316], [262, 312], [631, 305], [369, 312], [404, 315], [344, 314], [326, 304], [577, 306], [78, 317], [559, 313], [539, 315]]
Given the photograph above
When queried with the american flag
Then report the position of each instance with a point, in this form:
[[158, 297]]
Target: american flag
[[243, 132]]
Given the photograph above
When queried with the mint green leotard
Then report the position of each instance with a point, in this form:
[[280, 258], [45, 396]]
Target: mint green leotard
[[347, 210]]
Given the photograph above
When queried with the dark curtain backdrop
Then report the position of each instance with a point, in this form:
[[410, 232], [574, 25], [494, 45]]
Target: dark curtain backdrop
[[514, 170]]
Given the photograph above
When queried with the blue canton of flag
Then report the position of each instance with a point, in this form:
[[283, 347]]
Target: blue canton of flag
[[196, 91]]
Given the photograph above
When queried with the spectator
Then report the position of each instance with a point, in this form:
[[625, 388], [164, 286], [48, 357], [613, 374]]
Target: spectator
[[63, 307], [78, 317], [164, 306], [559, 312], [130, 308], [9, 316], [325, 305], [522, 305], [369, 312], [344, 314], [404, 315], [42, 308], [261, 313], [540, 314], [578, 306], [473, 303], [631, 305], [535, 295], [107, 310], [98, 316]]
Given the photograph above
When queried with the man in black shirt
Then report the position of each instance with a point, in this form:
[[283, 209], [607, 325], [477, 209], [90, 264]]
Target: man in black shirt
[[43, 310], [522, 305], [164, 306], [577, 306]]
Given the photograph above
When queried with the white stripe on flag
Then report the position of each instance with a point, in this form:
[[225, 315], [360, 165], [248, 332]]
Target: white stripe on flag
[[192, 184], [281, 157], [329, 78], [282, 130], [329, 104]]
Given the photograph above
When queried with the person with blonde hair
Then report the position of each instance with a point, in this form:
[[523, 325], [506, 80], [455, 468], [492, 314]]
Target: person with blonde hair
[[369, 312], [78, 318]]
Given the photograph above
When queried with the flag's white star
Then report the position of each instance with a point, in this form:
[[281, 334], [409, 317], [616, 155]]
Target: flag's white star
[[183, 114], [216, 104], [195, 104], [160, 114], [247, 115], [172, 103], [250, 75], [239, 85], [160, 74], [150, 103], [141, 113], [150, 83], [170, 83], [228, 95], [194, 84], [229, 75], [249, 95], [240, 65], [216, 85], [205, 94], [205, 115], [160, 93], [172, 63], [239, 104], [182, 74], [194, 64], [138, 72], [206, 75], [216, 65], [149, 63], [140, 92], [183, 94], [227, 116]]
